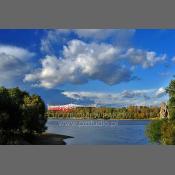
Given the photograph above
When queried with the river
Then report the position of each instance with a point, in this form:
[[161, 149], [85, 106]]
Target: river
[[100, 132]]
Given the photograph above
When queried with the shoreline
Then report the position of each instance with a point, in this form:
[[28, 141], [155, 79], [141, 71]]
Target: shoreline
[[45, 139], [51, 139]]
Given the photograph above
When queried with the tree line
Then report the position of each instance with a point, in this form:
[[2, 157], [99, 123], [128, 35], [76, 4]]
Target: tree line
[[131, 112]]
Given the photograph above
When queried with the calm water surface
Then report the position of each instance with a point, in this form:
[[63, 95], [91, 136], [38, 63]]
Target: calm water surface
[[103, 132]]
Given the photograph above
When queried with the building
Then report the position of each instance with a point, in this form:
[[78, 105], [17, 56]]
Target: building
[[65, 108]]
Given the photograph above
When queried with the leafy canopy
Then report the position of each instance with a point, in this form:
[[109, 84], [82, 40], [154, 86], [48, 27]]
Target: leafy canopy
[[20, 114]]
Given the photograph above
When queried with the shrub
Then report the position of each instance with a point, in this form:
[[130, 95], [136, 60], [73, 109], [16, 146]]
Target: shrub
[[168, 132], [153, 131], [161, 131]]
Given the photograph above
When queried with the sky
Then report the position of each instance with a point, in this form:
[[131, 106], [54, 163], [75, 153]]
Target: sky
[[101, 67]]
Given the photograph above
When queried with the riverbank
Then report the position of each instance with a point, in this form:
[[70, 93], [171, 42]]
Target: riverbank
[[44, 139], [50, 139]]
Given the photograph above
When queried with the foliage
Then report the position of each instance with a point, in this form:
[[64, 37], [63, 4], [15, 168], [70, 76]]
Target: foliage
[[171, 107], [33, 114], [153, 131], [168, 132], [171, 89], [171, 103], [163, 131], [20, 114]]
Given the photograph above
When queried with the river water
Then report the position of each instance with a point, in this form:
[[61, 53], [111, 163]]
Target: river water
[[100, 132]]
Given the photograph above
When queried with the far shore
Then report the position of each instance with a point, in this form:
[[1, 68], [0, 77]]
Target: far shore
[[101, 118]]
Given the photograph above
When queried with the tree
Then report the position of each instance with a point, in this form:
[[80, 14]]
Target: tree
[[171, 89], [20, 114], [171, 108], [171, 103], [163, 131], [34, 117]]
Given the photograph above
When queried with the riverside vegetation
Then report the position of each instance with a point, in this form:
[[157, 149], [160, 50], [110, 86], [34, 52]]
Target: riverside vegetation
[[23, 118], [162, 131], [131, 112]]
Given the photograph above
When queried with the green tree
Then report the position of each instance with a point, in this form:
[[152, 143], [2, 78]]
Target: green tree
[[20, 114], [171, 103], [34, 118], [163, 131]]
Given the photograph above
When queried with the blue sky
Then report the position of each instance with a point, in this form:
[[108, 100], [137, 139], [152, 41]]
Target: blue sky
[[104, 67]]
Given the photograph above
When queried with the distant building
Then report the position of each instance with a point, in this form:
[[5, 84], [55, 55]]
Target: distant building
[[65, 108]]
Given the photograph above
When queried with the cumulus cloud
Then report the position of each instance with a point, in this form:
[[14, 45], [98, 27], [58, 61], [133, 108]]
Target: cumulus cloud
[[52, 39], [56, 37], [81, 62], [142, 57], [124, 98], [13, 62]]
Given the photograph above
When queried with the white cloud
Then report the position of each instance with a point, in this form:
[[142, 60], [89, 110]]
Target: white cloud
[[104, 95], [160, 92], [105, 33], [173, 59], [124, 98], [15, 52], [56, 37], [81, 62], [53, 38], [13, 62], [142, 57]]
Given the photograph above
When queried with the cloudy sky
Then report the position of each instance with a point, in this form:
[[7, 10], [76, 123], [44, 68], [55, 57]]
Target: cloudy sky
[[106, 67]]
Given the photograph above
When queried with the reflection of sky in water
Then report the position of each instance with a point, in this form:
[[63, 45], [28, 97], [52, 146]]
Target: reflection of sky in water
[[108, 132]]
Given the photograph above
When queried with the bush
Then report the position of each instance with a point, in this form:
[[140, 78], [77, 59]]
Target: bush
[[153, 131], [168, 133], [161, 131]]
